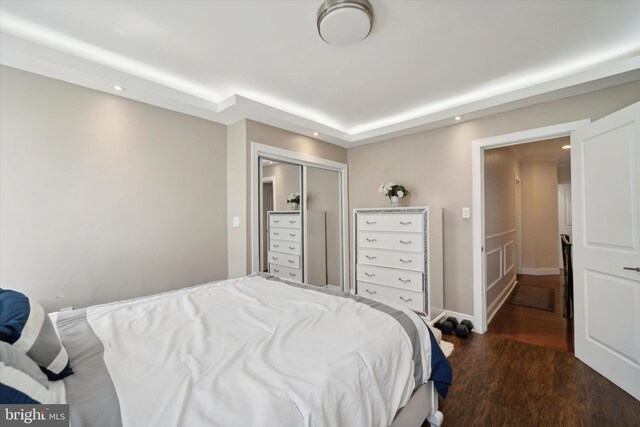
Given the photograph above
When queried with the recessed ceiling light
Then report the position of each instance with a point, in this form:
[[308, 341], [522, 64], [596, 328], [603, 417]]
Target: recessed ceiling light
[[345, 22], [118, 88], [458, 118], [315, 134], [566, 147]]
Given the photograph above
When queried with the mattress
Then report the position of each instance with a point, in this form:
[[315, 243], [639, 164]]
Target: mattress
[[255, 350]]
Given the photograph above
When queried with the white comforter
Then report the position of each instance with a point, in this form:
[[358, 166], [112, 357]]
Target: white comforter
[[254, 352]]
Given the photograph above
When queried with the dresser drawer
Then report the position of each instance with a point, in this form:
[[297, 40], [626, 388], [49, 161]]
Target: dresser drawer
[[395, 259], [288, 234], [410, 280], [390, 222], [285, 272], [410, 242], [284, 220], [393, 296], [287, 260], [284, 246]]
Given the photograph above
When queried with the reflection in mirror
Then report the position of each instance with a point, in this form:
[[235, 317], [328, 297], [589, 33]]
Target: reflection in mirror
[[323, 231], [280, 221]]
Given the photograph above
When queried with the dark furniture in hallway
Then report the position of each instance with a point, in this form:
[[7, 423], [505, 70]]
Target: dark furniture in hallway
[[567, 260]]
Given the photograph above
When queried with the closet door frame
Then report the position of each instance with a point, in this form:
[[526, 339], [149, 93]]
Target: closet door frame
[[259, 150]]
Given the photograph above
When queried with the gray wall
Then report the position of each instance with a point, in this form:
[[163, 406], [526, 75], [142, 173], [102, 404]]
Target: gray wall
[[500, 169], [540, 235], [103, 198], [436, 167]]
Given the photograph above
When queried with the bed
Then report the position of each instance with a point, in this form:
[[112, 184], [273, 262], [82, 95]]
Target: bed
[[252, 351]]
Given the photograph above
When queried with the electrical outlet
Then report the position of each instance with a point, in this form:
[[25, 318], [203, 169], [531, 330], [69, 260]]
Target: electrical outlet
[[236, 222], [466, 212]]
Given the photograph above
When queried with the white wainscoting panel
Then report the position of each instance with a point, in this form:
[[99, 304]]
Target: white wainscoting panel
[[494, 267], [501, 299], [509, 256]]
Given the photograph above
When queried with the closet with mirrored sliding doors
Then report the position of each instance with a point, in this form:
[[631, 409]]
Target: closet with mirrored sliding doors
[[299, 217]]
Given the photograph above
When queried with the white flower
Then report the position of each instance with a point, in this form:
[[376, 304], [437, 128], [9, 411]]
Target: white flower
[[381, 188], [400, 193]]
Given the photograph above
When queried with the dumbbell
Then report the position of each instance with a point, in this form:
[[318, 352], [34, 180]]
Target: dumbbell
[[463, 329], [445, 326], [453, 321]]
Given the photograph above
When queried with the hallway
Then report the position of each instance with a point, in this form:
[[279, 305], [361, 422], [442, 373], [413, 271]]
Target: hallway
[[533, 326]]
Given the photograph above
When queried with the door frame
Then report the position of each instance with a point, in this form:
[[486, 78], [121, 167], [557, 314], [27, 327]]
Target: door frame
[[477, 173], [262, 150]]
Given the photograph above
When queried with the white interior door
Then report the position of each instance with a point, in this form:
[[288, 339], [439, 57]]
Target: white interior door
[[605, 162], [564, 213]]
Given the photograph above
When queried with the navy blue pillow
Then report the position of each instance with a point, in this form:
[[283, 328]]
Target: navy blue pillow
[[25, 325]]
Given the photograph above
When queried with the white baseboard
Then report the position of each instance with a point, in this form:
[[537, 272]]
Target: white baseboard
[[548, 271], [459, 316], [502, 298]]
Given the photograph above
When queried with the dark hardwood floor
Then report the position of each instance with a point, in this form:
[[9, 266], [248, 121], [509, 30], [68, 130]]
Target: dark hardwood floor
[[503, 382], [534, 326]]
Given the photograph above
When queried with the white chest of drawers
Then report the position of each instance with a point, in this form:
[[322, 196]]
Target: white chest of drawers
[[286, 254], [398, 257]]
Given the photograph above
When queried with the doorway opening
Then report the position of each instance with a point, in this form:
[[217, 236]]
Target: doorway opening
[[527, 208], [479, 254]]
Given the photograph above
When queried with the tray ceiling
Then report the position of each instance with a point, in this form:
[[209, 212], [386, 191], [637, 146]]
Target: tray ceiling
[[424, 63]]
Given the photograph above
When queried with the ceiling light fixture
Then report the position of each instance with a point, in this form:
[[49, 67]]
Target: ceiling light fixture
[[566, 147], [118, 88], [457, 118], [345, 22], [315, 134]]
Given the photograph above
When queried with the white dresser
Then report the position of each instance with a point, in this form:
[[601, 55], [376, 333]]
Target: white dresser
[[286, 250], [398, 257]]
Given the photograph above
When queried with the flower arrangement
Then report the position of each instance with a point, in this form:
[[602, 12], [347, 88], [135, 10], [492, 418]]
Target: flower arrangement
[[294, 198], [393, 190]]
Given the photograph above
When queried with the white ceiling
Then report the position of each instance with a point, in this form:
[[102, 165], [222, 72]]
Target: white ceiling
[[548, 150], [424, 63]]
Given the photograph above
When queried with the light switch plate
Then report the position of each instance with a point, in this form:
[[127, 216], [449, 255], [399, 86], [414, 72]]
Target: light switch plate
[[236, 221], [466, 212]]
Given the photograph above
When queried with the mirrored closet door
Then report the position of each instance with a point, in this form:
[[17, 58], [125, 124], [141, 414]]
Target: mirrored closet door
[[300, 222]]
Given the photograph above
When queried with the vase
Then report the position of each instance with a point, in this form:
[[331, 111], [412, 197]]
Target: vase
[[395, 201], [294, 206]]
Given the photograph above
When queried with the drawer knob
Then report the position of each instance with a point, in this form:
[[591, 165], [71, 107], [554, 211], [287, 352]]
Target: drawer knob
[[276, 270], [293, 221], [369, 274], [405, 261], [292, 234], [276, 246], [371, 256], [370, 222], [292, 247], [370, 292], [291, 261], [406, 299], [405, 222], [292, 274], [371, 240], [404, 280], [405, 242], [276, 233], [276, 221], [275, 258]]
